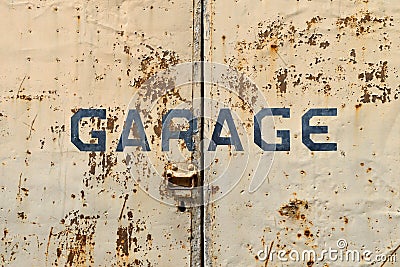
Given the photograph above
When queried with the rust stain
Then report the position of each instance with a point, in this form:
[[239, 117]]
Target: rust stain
[[123, 207], [362, 23], [313, 21], [310, 263], [153, 60], [111, 123], [293, 209], [158, 128], [101, 166], [20, 87], [308, 233], [48, 243], [215, 189], [281, 80], [76, 241], [124, 240]]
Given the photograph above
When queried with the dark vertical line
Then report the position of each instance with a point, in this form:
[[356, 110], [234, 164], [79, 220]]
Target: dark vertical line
[[202, 174]]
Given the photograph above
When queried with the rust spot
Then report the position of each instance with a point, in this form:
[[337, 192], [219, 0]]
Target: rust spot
[[293, 209], [366, 98], [92, 163], [111, 122], [310, 263], [281, 80], [363, 23], [324, 45], [274, 47], [158, 128], [308, 233], [58, 252], [127, 50], [100, 166], [153, 60], [182, 145], [314, 78], [312, 40], [21, 215], [215, 189], [76, 242], [381, 74], [124, 240], [130, 215], [313, 21], [270, 33]]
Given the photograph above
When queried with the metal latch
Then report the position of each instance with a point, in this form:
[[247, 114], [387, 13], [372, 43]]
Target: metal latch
[[180, 178]]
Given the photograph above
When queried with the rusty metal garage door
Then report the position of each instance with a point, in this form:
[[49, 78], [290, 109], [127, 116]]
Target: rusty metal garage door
[[199, 133]]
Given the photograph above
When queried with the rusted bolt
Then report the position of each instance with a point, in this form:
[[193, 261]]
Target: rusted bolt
[[169, 174], [174, 167], [191, 167]]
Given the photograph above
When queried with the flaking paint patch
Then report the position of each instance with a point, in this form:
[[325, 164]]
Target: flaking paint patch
[[279, 35]]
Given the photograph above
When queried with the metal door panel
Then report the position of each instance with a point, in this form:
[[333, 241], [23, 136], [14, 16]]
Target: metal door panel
[[62, 206], [305, 55]]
